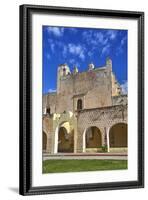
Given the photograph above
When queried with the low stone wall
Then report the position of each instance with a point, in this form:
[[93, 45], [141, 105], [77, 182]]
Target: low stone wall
[[119, 150], [94, 150]]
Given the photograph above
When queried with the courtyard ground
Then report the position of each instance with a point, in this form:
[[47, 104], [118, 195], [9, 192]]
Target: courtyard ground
[[79, 165]]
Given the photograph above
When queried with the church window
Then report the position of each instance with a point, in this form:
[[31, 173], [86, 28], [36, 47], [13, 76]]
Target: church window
[[48, 111], [79, 104]]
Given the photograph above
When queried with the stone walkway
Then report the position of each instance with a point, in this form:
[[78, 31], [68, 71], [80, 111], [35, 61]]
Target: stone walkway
[[80, 156]]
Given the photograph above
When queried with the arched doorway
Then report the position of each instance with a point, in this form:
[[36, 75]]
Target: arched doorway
[[92, 139], [44, 141], [118, 136], [65, 141]]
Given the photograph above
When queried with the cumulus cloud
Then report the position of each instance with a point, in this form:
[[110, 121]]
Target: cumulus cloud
[[124, 87], [52, 47], [87, 34], [48, 56], [123, 40], [112, 34], [74, 49], [120, 47], [70, 48], [77, 49], [90, 53], [65, 50], [73, 62], [74, 30], [106, 49], [56, 31], [101, 38], [82, 56], [51, 44], [51, 90], [95, 38]]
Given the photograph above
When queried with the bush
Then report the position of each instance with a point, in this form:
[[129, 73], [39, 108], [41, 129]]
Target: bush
[[104, 148]]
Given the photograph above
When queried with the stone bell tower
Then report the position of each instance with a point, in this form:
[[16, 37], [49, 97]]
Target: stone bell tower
[[63, 71], [109, 63]]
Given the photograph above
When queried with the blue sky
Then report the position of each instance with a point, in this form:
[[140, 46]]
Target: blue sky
[[81, 46]]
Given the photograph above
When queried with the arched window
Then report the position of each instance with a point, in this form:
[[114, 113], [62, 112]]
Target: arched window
[[79, 104], [48, 111]]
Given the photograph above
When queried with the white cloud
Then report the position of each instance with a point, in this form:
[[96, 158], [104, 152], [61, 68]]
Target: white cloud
[[101, 38], [77, 50], [90, 53], [74, 49], [74, 30], [50, 41], [48, 56], [123, 40], [120, 47], [95, 38], [51, 90], [54, 43], [56, 31], [51, 44], [72, 61], [119, 50], [52, 47], [87, 34], [65, 50], [106, 49], [124, 87], [82, 56], [112, 34]]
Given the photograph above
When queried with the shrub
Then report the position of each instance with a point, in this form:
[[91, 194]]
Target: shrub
[[104, 148]]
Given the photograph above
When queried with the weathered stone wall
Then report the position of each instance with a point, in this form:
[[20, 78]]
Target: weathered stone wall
[[47, 125], [120, 100], [116, 89], [95, 85], [49, 101], [102, 118]]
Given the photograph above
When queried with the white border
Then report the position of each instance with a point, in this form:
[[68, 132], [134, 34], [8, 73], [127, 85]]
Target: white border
[[39, 179]]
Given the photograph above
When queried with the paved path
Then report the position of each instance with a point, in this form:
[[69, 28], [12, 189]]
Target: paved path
[[99, 156]]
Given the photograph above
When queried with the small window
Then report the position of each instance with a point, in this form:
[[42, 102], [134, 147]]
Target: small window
[[79, 104], [48, 111]]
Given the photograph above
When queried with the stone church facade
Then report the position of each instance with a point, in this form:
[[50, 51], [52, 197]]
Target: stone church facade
[[87, 113]]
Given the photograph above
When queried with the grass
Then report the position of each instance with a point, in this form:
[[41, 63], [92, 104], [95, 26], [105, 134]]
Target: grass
[[57, 166]]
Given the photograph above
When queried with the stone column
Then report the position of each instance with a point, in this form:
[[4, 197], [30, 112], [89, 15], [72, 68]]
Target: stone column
[[55, 141], [75, 134], [108, 143], [49, 143], [80, 142], [103, 135]]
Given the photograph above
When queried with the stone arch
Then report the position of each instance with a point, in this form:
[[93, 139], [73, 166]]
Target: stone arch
[[64, 138], [64, 141], [44, 141], [92, 139], [118, 137]]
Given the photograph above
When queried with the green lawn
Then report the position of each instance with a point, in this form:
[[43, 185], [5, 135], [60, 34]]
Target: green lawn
[[55, 166]]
